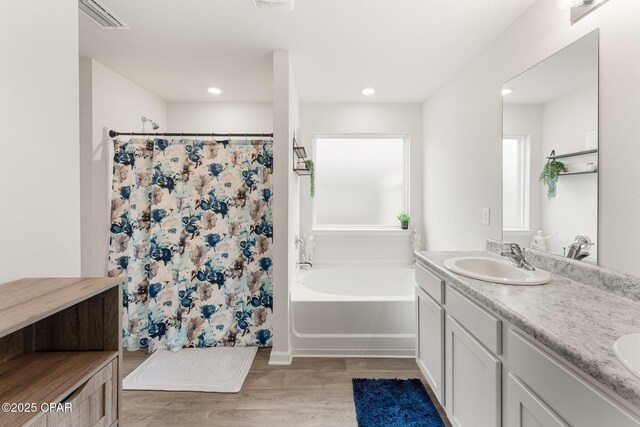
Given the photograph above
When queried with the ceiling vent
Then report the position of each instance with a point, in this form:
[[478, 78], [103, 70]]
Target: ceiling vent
[[101, 15], [274, 4]]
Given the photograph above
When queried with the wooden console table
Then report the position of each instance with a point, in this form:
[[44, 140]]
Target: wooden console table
[[60, 352]]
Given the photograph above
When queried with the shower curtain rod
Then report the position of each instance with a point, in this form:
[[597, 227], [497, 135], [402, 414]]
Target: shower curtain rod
[[113, 134]]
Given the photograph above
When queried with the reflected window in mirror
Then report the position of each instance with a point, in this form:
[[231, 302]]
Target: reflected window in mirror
[[515, 172]]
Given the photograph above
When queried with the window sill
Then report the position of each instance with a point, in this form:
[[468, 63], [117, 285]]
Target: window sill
[[361, 232], [518, 232]]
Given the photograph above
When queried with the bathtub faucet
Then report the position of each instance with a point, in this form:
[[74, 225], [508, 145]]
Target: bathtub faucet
[[304, 264]]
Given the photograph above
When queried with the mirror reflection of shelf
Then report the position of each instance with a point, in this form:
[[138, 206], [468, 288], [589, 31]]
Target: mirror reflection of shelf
[[299, 159], [575, 154], [554, 156], [578, 173]]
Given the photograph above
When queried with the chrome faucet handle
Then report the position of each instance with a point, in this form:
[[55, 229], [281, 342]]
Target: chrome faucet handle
[[516, 249], [304, 264], [516, 255]]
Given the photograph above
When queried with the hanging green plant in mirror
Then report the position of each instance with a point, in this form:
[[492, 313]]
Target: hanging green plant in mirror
[[312, 176], [549, 176]]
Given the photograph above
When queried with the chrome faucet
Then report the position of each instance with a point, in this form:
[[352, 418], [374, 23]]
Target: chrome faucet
[[578, 249], [516, 256], [304, 264]]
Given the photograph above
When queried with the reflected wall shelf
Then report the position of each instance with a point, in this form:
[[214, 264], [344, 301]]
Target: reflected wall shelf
[[577, 153], [554, 156], [578, 173]]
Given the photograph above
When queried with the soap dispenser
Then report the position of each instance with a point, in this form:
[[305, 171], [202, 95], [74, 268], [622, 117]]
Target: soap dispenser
[[540, 242]]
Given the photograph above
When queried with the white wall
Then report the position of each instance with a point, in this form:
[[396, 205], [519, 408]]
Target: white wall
[[566, 121], [219, 117], [526, 119], [340, 119], [39, 166], [109, 101], [462, 123]]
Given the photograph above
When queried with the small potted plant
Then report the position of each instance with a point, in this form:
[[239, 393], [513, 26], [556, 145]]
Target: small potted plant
[[404, 220]]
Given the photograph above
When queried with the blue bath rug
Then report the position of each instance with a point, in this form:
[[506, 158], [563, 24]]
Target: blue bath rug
[[393, 403]]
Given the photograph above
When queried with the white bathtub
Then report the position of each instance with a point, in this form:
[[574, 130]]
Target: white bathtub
[[354, 311]]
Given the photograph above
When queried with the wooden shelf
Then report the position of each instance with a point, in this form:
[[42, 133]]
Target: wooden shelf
[[26, 301], [60, 338], [577, 153], [46, 377]]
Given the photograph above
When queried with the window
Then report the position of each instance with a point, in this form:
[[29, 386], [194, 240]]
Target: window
[[515, 182], [361, 182]]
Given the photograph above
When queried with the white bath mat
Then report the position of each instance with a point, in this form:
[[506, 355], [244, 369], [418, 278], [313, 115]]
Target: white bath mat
[[218, 369]]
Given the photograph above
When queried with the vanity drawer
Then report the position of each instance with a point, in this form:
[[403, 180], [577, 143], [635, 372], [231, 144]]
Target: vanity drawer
[[430, 283], [94, 404], [485, 327], [572, 398]]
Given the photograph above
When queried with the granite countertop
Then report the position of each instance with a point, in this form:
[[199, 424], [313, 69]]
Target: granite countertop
[[578, 322]]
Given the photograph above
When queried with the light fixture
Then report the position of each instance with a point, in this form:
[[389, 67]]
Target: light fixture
[[214, 91], [579, 8], [274, 4], [568, 4], [368, 91], [506, 91]]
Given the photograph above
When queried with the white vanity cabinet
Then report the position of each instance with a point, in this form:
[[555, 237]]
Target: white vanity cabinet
[[526, 409], [487, 373], [430, 331], [430, 342], [454, 352], [473, 376], [566, 398]]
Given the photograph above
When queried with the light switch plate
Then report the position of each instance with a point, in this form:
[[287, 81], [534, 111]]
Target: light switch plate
[[486, 216]]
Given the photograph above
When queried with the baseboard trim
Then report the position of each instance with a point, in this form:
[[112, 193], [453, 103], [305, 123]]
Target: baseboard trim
[[406, 353], [280, 358]]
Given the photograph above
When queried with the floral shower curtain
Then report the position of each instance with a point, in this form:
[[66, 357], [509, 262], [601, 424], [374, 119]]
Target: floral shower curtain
[[192, 232]]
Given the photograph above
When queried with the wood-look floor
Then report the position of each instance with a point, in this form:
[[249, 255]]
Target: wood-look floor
[[310, 392]]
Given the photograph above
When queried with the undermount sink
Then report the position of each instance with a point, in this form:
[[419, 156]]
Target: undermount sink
[[496, 270], [627, 349]]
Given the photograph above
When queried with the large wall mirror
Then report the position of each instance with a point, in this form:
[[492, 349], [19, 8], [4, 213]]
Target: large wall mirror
[[550, 154]]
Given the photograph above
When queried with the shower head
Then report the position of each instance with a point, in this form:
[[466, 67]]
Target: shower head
[[154, 125]]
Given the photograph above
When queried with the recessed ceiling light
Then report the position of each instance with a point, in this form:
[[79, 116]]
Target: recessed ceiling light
[[368, 91], [506, 91], [214, 91]]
